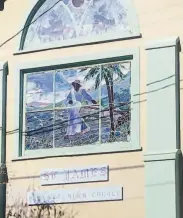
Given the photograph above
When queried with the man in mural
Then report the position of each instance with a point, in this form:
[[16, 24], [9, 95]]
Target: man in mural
[[77, 95]]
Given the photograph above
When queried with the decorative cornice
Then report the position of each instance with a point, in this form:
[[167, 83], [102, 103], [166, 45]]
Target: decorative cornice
[[167, 42], [160, 156]]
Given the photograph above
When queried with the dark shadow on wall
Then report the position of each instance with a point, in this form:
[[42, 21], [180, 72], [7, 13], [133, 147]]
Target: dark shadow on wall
[[43, 211], [17, 207]]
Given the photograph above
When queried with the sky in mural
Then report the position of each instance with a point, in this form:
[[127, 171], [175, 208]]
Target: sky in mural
[[79, 106], [77, 19]]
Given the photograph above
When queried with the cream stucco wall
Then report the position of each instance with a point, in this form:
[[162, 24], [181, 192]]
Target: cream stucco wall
[[158, 20]]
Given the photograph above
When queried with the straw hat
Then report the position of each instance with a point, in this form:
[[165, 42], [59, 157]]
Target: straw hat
[[76, 82]]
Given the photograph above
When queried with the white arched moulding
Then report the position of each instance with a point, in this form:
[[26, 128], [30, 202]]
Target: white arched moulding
[[59, 23]]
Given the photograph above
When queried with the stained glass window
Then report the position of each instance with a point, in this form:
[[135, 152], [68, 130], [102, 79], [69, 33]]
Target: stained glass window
[[77, 106], [77, 21]]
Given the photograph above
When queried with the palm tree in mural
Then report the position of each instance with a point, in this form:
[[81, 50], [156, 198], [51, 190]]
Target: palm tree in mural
[[106, 72]]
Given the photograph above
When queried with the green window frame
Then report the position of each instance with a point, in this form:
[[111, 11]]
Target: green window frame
[[3, 168], [131, 55]]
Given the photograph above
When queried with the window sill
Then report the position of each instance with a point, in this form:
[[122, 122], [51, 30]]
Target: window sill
[[52, 46], [53, 155]]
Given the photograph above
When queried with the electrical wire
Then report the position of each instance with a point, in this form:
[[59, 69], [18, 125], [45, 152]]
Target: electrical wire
[[12, 37]]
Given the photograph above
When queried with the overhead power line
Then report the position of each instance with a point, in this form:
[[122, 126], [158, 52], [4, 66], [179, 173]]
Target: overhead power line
[[16, 34]]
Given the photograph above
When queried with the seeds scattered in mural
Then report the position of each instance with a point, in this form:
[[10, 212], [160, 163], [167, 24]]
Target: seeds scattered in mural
[[39, 129], [77, 19], [78, 106]]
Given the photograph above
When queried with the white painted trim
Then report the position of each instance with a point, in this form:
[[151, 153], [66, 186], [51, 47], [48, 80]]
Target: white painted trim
[[2, 64], [80, 58], [57, 152], [155, 156], [134, 144], [167, 42], [78, 42]]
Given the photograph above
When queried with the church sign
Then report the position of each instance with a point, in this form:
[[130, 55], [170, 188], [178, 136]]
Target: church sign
[[75, 195], [74, 175]]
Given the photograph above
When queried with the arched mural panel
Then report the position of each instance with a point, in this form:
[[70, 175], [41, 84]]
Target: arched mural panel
[[69, 22]]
